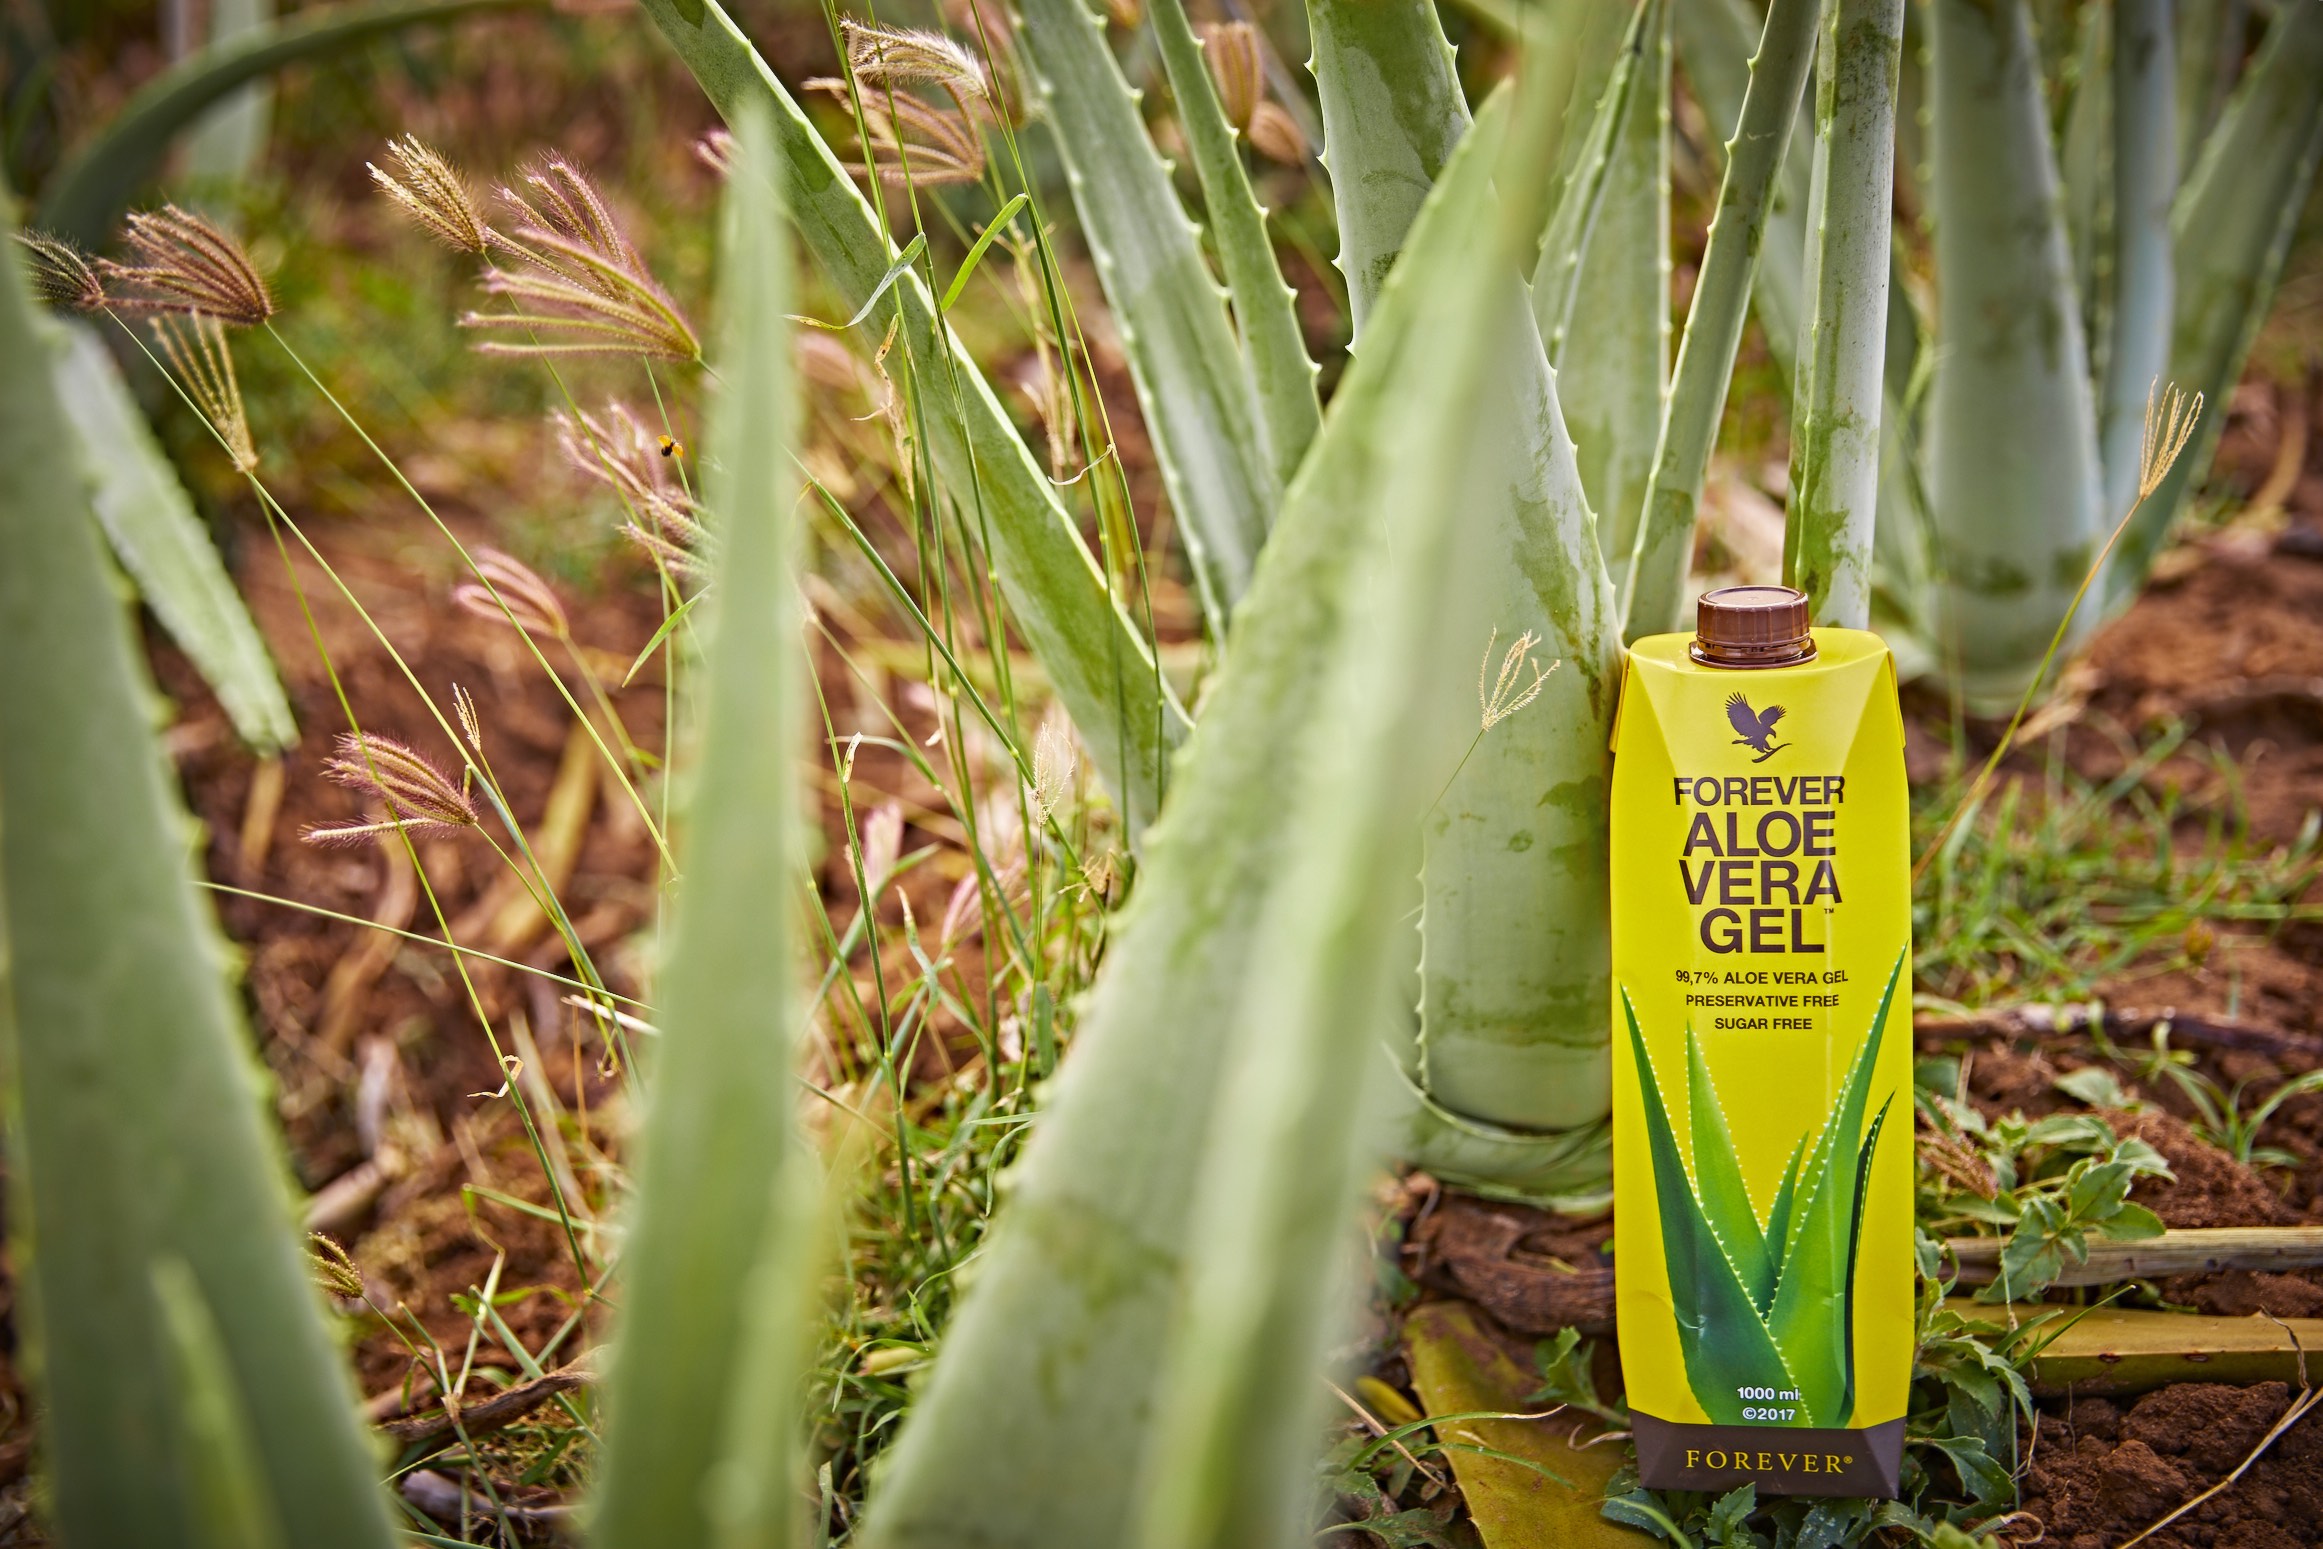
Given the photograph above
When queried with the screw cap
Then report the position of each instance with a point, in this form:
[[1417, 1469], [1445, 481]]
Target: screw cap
[[1752, 626]]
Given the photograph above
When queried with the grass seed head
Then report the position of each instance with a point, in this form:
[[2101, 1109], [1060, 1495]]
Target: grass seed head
[[432, 192], [420, 798], [576, 278], [615, 448], [1957, 1162], [1509, 692], [988, 28], [471, 724], [334, 1270], [564, 202], [1055, 760], [189, 266], [195, 347], [715, 150], [62, 274], [1237, 68], [510, 591], [884, 57], [2170, 420], [913, 140]]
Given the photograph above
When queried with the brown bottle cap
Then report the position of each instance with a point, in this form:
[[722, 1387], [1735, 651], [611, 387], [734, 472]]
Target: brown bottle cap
[[1752, 626]]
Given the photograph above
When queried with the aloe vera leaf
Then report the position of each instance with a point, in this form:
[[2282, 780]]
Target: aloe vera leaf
[[1199, 402], [1836, 443], [2012, 438], [717, 1143], [1264, 305], [1778, 1215], [1293, 1140], [2084, 164], [1818, 1261], [1721, 1336], [1613, 360], [1582, 195], [1595, 30], [150, 522], [225, 147], [95, 186], [1718, 1180], [229, 1508], [1096, 658], [1569, 1170], [1863, 1158], [1713, 41], [1515, 968], [1654, 590], [137, 1131], [1392, 111], [2143, 270], [2231, 229], [1037, 1417], [2208, 41]]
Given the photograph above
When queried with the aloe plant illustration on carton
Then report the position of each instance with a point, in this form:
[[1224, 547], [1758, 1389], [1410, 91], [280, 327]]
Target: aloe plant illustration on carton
[[1753, 1297]]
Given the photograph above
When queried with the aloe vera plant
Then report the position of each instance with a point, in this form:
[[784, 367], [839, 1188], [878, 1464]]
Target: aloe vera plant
[[2231, 229], [2029, 463], [2142, 276], [1200, 401], [138, 1162], [703, 1441], [1714, 43], [1754, 1294], [1294, 1135], [2012, 437], [1103, 669], [1039, 1422]]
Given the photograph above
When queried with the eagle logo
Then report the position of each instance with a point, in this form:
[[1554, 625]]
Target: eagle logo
[[1757, 727]]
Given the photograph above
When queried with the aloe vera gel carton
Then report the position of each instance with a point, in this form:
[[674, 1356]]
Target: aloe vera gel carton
[[1762, 1121]]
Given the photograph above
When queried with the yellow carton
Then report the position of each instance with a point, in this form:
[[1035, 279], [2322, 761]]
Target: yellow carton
[[1762, 1110]]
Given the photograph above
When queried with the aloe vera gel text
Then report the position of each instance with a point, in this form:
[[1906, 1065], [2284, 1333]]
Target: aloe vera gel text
[[1757, 870]]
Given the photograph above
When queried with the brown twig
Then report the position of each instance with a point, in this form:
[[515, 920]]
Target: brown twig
[[2117, 1022], [502, 1409], [2187, 1251]]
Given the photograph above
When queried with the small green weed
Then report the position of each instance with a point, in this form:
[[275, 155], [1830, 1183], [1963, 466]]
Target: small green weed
[[2050, 1184], [2218, 1112]]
